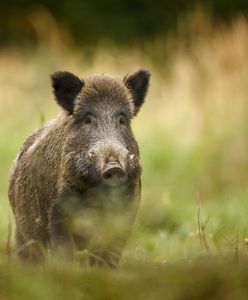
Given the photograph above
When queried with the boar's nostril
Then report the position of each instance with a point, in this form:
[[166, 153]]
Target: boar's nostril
[[113, 175]]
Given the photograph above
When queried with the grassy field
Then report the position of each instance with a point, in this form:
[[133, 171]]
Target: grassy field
[[189, 240]]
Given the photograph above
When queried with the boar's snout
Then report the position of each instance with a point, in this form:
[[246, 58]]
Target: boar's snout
[[113, 174]]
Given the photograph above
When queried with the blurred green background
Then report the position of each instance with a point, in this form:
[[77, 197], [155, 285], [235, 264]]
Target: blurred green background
[[192, 132]]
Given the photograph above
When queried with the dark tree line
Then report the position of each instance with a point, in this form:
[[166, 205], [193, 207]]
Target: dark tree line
[[118, 20]]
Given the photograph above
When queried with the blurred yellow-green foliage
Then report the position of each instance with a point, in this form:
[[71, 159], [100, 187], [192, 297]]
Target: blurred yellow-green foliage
[[192, 132]]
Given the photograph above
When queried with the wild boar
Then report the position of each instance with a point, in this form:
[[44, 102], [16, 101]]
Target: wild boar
[[75, 183]]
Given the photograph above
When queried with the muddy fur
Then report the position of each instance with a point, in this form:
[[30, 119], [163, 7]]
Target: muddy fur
[[56, 188]]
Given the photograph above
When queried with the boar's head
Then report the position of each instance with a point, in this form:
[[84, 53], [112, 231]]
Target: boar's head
[[100, 148]]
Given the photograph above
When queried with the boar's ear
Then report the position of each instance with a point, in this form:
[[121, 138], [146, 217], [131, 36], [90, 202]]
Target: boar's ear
[[66, 86], [137, 84]]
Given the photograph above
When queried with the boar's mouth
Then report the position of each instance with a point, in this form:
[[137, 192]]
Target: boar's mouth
[[113, 175]]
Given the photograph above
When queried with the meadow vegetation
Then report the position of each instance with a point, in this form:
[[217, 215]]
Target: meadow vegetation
[[190, 237]]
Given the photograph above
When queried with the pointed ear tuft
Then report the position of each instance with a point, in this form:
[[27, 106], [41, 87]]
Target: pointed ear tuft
[[66, 86], [137, 84]]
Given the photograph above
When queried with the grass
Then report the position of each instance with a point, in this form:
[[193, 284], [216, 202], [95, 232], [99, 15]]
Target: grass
[[143, 281], [190, 236]]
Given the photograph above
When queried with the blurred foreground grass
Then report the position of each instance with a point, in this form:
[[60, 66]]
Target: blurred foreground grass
[[193, 137], [205, 279]]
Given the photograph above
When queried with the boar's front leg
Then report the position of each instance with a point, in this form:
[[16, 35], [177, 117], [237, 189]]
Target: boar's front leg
[[60, 218]]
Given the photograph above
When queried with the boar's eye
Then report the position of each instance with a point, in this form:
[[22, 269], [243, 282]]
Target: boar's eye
[[88, 119], [122, 119]]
